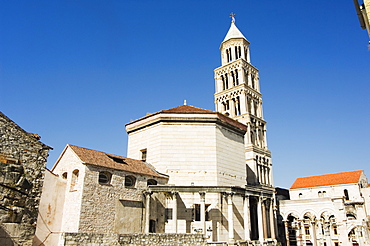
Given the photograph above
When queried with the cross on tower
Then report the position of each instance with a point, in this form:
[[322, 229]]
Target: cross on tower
[[232, 16]]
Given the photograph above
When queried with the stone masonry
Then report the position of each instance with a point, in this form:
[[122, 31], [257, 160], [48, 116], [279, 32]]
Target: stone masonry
[[22, 164]]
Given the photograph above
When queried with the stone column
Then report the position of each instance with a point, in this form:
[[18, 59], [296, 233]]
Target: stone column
[[243, 104], [247, 225], [260, 220], [230, 214], [286, 233], [147, 211], [314, 238], [203, 211], [174, 211], [272, 218]]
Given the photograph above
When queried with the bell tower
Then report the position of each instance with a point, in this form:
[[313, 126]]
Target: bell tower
[[238, 96]]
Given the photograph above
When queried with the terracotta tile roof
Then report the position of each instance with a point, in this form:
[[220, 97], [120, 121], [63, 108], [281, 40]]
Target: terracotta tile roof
[[187, 109], [327, 179], [98, 158]]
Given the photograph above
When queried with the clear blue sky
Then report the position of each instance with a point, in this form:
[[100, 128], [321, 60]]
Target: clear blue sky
[[76, 72]]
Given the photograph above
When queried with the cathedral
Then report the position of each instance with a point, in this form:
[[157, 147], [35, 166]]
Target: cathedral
[[188, 170]]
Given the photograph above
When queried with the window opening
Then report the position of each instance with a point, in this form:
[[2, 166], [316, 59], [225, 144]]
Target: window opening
[[117, 159], [130, 181], [346, 194], [65, 175], [74, 179], [151, 182], [104, 177], [143, 154]]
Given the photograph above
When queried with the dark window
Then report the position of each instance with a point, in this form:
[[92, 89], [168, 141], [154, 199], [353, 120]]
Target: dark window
[[104, 177], [65, 175], [346, 195], [143, 154], [152, 182], [130, 181]]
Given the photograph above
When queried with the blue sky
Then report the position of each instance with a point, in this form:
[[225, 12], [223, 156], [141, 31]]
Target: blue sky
[[76, 72]]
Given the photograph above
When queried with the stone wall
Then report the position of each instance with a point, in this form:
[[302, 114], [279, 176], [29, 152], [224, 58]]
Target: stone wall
[[92, 239], [22, 165]]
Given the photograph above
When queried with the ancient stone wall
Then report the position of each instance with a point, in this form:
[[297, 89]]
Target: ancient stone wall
[[92, 239], [22, 164]]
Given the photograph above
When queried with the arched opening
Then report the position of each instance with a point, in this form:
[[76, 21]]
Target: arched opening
[[346, 196], [151, 182], [65, 175], [104, 177], [130, 181], [292, 225], [74, 179]]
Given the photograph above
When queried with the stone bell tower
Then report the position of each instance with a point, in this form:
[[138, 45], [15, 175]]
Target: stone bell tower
[[238, 96]]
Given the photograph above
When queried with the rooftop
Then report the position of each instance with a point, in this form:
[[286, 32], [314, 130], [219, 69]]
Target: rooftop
[[187, 109], [327, 179], [98, 158]]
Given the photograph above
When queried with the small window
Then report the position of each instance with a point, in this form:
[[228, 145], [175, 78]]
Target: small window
[[143, 154], [151, 182], [74, 180], [300, 195], [104, 177], [130, 181], [307, 230], [346, 195], [65, 175]]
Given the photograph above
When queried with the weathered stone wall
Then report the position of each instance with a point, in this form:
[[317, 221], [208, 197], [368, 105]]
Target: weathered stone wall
[[22, 165], [92, 239]]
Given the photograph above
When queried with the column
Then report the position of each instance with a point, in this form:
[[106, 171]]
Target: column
[[302, 233], [247, 233], [203, 211], [264, 219], [260, 220], [230, 214], [314, 237], [286, 233], [147, 211], [243, 104], [272, 219], [174, 211], [249, 133]]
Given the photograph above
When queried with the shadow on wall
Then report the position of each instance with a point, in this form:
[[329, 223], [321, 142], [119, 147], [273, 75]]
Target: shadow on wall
[[5, 238]]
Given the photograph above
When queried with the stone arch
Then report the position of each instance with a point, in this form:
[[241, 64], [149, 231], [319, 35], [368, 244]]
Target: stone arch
[[310, 215], [326, 213], [291, 213]]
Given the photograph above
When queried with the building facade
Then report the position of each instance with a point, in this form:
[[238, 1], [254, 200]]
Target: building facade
[[98, 193], [329, 209]]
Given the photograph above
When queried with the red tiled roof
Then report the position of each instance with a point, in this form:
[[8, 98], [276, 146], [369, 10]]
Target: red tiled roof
[[327, 179], [187, 109], [98, 158]]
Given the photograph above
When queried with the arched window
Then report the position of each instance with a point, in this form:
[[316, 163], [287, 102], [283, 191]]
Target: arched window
[[351, 216], [74, 179], [130, 181], [346, 194], [151, 182], [300, 195], [319, 194], [65, 175], [236, 77], [104, 177], [227, 55]]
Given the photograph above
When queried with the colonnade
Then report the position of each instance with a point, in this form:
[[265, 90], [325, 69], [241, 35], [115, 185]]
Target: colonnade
[[266, 214]]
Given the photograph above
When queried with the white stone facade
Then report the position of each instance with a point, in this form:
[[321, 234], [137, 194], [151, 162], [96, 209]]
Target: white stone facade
[[333, 214]]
